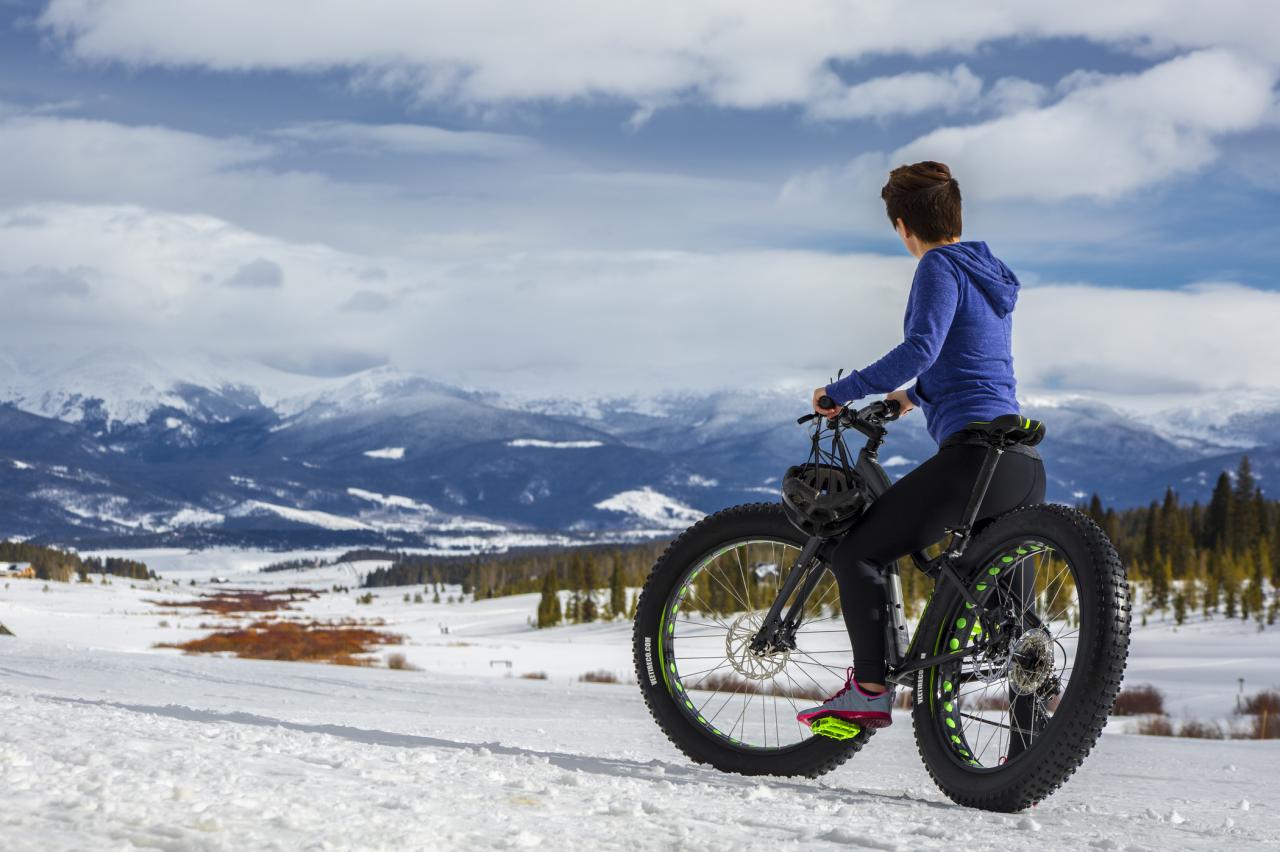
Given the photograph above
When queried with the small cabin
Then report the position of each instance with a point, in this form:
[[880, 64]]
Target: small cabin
[[17, 570]]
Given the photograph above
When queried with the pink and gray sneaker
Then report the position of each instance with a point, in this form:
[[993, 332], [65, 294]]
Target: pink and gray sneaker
[[851, 704]]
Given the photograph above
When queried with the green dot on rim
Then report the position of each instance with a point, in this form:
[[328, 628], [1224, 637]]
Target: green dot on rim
[[953, 644]]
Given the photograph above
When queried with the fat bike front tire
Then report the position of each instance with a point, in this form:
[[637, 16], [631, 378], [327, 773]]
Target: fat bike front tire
[[719, 704]]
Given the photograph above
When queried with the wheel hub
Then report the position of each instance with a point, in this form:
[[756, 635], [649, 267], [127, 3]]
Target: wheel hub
[[1030, 661], [745, 661]]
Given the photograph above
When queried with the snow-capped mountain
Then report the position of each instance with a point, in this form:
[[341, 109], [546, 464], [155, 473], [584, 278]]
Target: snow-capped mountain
[[114, 445]]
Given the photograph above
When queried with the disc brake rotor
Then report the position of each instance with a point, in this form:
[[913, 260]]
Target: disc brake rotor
[[737, 647]]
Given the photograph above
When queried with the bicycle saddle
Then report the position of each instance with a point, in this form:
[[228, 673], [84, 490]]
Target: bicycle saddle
[[1012, 428]]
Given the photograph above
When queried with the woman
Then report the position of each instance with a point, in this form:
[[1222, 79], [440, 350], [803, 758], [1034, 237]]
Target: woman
[[958, 331]]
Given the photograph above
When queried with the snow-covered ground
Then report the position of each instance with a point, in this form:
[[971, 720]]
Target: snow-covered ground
[[107, 742]]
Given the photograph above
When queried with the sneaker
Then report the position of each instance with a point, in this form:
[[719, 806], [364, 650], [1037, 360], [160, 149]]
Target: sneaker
[[853, 704]]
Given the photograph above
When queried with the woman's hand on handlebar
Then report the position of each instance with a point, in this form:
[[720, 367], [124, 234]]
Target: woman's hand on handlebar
[[820, 399], [904, 402]]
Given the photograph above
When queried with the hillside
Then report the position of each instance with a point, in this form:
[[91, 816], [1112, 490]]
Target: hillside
[[114, 449]]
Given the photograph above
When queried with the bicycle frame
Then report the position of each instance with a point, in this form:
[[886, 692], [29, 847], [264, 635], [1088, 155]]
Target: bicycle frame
[[778, 631]]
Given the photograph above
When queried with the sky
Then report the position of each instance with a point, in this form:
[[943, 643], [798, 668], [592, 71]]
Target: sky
[[614, 198]]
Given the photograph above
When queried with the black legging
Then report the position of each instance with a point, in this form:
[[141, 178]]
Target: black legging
[[910, 516]]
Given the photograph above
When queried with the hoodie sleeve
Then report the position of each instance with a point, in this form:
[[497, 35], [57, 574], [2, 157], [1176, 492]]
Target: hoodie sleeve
[[931, 306]]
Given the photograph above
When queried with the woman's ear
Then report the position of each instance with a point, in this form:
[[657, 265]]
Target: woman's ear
[[901, 227]]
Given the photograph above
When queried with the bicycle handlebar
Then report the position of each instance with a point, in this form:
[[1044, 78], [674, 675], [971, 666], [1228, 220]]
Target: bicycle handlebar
[[870, 416]]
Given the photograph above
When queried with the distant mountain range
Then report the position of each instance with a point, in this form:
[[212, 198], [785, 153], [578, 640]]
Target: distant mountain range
[[114, 448]]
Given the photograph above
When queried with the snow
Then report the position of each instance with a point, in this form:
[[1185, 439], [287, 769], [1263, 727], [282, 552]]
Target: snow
[[192, 517], [395, 453], [111, 743], [653, 507], [310, 517], [110, 750], [554, 445], [391, 500]]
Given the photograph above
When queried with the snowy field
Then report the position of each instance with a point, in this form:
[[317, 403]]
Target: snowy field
[[109, 743]]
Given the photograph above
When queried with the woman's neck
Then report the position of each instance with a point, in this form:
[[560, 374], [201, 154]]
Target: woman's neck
[[919, 248]]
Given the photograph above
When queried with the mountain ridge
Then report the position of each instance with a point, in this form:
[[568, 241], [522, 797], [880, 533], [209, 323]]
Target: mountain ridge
[[193, 453]]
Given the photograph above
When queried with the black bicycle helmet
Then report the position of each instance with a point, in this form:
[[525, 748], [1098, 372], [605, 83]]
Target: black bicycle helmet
[[823, 499]]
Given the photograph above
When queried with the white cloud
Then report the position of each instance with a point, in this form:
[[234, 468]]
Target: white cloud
[[257, 274], [746, 53], [1108, 135], [903, 94], [594, 322], [1201, 337], [53, 155], [411, 139], [1013, 94]]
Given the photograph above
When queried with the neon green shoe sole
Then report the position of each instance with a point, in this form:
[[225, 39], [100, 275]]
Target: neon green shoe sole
[[835, 728]]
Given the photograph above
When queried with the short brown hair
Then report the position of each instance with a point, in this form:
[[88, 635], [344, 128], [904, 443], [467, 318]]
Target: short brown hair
[[926, 198]]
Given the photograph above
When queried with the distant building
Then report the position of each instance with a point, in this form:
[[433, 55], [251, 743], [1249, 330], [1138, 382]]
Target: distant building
[[18, 570]]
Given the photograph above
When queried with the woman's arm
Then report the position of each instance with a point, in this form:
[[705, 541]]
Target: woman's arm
[[930, 310]]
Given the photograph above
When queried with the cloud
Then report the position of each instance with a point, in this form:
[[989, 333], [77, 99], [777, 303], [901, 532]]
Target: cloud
[[256, 275], [719, 312], [65, 155], [365, 301], [408, 139], [746, 55], [1106, 137], [52, 282], [1109, 135], [904, 94]]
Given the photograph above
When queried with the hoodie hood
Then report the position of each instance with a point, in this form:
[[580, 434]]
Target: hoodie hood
[[987, 272]]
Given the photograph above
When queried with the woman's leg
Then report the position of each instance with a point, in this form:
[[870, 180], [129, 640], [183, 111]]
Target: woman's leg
[[912, 514]]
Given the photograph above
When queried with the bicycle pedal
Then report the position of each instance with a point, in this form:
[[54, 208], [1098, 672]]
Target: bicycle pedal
[[835, 728]]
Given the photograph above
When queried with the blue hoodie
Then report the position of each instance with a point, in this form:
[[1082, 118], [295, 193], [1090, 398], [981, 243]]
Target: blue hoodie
[[958, 339]]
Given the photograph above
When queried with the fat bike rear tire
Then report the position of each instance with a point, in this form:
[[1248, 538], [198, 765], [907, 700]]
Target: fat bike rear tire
[[1003, 728]]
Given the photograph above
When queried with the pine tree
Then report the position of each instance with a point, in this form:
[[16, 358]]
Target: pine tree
[[1095, 510], [1151, 536], [549, 614], [1255, 594], [1161, 582], [577, 582], [617, 592], [1230, 584], [1244, 521], [1213, 583], [1191, 583], [1179, 608], [631, 608], [1218, 514], [589, 609]]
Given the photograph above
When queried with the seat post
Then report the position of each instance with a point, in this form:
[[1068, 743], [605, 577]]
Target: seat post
[[980, 486]]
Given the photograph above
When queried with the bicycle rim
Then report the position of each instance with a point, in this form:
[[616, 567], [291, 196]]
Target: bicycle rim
[[994, 705], [749, 701]]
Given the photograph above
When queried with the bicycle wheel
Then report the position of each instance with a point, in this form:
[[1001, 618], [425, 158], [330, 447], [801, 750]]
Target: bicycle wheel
[[718, 702], [1005, 726]]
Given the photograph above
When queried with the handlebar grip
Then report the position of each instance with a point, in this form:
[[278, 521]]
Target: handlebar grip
[[827, 402]]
